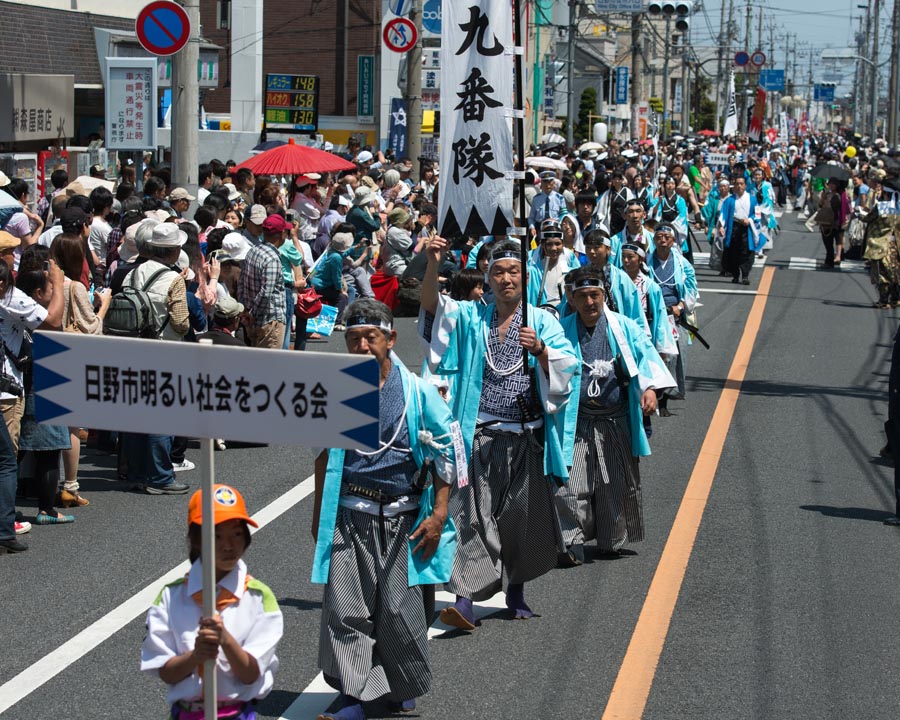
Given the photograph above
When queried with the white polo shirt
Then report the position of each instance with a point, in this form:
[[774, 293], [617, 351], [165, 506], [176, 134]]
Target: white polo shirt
[[255, 621]]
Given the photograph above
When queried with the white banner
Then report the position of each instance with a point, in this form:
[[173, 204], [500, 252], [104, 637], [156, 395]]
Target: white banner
[[731, 119], [131, 99], [783, 135], [476, 138]]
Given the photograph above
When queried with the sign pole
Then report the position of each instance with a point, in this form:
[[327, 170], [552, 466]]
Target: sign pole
[[414, 93], [208, 550], [186, 106]]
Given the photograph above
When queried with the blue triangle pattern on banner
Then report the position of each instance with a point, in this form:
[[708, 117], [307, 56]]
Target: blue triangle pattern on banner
[[45, 379], [45, 410], [366, 371], [365, 435], [45, 346], [366, 404]]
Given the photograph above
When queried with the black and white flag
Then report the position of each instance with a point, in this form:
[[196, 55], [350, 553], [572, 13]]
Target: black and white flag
[[475, 196]]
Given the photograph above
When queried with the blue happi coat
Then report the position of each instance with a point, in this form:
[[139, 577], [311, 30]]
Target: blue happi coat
[[632, 348], [457, 347], [536, 295], [425, 411], [755, 240]]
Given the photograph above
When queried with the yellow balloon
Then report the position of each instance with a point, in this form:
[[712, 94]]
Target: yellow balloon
[[850, 152]]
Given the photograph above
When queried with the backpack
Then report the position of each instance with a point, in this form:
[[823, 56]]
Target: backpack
[[131, 312]]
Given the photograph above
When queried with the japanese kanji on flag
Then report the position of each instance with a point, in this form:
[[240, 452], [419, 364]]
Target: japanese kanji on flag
[[475, 197]]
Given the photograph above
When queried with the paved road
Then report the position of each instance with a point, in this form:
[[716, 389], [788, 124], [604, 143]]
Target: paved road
[[787, 603]]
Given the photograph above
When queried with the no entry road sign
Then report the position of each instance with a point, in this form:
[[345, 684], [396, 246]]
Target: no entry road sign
[[400, 35], [195, 390], [163, 27]]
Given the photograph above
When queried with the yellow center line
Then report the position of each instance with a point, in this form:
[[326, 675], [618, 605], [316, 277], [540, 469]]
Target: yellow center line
[[632, 686]]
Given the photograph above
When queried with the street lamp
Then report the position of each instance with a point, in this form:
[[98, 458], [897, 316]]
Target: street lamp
[[850, 55]]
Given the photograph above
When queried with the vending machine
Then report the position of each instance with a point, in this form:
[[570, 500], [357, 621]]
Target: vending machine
[[22, 165]]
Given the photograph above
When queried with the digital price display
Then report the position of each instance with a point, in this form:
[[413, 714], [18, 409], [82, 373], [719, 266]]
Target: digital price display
[[292, 101]]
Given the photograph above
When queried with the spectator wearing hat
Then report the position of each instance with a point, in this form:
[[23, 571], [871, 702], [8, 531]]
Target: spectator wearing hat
[[150, 465], [328, 277], [306, 203], [362, 215], [23, 224], [253, 222], [261, 287], [231, 256], [8, 247], [397, 250], [180, 200], [98, 171], [337, 213], [57, 207], [76, 220], [226, 320], [547, 204]]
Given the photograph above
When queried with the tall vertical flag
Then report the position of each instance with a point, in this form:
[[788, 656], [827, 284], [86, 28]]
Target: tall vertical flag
[[476, 135], [784, 134], [754, 132], [731, 120]]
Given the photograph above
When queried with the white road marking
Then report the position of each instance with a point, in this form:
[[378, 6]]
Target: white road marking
[[318, 695], [702, 258], [847, 266], [34, 676], [726, 291]]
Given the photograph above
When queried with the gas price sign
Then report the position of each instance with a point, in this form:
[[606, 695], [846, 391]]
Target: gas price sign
[[292, 102]]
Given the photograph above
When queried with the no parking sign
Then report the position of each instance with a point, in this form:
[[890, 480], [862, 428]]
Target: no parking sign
[[163, 27]]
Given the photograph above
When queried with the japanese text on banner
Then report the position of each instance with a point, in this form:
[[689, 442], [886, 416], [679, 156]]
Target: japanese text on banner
[[476, 134]]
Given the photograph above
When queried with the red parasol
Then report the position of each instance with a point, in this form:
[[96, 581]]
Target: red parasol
[[293, 159], [708, 133]]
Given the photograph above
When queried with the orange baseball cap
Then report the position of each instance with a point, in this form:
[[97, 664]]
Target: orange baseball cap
[[229, 505]]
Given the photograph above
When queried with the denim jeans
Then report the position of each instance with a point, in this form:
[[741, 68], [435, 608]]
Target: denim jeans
[[289, 313], [8, 475], [149, 459]]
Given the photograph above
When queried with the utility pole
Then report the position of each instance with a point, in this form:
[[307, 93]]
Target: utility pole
[[414, 93], [867, 122], [747, 35], [894, 91], [665, 79], [685, 82], [570, 75], [873, 87], [720, 59], [186, 106], [637, 73]]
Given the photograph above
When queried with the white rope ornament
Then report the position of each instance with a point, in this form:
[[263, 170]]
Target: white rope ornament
[[489, 358], [598, 370]]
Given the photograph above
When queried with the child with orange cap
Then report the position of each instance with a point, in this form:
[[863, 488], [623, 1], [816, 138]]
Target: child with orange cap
[[243, 635]]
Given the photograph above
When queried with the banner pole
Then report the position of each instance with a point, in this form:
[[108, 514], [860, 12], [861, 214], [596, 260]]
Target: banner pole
[[518, 41]]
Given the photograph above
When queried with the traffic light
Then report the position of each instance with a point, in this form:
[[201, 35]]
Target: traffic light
[[679, 9], [656, 104]]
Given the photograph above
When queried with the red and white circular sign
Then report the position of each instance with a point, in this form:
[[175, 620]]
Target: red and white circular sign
[[163, 27], [400, 35], [758, 59]]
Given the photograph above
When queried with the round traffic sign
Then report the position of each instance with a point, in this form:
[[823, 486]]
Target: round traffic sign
[[400, 7], [400, 35], [758, 58], [741, 59], [163, 27], [431, 16]]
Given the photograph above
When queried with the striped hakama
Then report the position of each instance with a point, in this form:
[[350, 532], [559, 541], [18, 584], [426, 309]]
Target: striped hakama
[[374, 633], [675, 365], [602, 499], [504, 517]]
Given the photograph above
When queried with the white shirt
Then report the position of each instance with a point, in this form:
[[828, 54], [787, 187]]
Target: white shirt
[[255, 622], [202, 194], [18, 313], [742, 207], [46, 237], [100, 230]]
